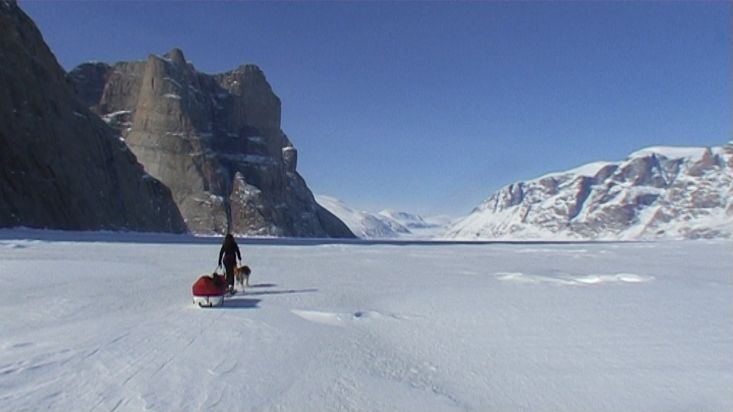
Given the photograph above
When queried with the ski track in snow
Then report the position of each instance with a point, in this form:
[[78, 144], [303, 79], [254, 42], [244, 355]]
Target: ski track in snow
[[603, 327]]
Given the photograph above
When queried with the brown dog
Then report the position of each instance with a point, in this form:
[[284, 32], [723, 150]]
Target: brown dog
[[241, 275]]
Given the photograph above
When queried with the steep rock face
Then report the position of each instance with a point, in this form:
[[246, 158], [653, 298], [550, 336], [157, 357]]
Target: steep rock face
[[214, 140], [659, 192], [62, 167]]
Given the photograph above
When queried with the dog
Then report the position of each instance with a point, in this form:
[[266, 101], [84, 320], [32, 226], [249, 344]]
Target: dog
[[241, 275]]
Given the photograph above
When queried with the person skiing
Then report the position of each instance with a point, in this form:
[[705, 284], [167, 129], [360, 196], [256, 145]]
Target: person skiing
[[230, 252]]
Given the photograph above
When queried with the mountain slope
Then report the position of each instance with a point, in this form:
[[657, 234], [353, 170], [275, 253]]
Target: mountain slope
[[387, 224], [658, 192], [62, 167], [409, 220], [214, 140], [364, 225]]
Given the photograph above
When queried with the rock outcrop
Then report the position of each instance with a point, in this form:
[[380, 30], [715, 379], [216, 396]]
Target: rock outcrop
[[214, 140], [659, 192], [63, 167]]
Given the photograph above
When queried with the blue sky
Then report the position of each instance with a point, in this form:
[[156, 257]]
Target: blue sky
[[429, 107]]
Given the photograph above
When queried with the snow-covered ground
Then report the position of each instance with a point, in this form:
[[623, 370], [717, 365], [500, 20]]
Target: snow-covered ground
[[109, 325]]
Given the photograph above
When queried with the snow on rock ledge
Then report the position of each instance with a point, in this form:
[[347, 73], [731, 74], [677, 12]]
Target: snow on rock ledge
[[657, 192]]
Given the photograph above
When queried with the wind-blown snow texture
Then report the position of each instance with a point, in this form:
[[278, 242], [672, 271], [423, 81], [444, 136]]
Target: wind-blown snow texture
[[658, 192], [541, 327]]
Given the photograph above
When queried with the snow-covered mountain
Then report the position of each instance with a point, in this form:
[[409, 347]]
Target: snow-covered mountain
[[420, 227], [657, 192], [363, 224], [387, 224], [409, 220]]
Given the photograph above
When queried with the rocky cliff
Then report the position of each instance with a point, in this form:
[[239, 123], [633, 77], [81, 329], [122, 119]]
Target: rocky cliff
[[659, 192], [63, 167], [214, 140]]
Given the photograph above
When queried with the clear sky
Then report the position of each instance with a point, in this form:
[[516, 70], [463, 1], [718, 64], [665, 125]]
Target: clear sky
[[430, 107]]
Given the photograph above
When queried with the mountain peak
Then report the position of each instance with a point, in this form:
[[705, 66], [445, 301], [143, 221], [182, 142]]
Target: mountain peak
[[249, 68], [176, 56], [671, 152]]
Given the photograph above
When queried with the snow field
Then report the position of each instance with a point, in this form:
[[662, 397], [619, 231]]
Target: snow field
[[110, 325]]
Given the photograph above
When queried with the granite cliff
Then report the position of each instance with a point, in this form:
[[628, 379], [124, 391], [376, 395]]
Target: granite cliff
[[214, 140]]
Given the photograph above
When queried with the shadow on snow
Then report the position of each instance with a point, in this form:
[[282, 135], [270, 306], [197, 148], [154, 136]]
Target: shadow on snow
[[280, 292], [241, 303]]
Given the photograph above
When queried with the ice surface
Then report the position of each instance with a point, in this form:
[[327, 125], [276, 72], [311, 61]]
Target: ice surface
[[108, 324]]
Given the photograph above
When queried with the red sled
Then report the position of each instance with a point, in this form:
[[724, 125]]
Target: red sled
[[209, 291]]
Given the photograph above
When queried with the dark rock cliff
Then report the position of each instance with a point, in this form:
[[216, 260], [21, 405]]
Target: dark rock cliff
[[214, 140], [63, 167]]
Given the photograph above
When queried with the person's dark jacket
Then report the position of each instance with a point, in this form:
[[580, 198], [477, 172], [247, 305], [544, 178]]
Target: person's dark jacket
[[228, 251]]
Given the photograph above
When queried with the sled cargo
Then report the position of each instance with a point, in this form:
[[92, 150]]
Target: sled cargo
[[209, 291]]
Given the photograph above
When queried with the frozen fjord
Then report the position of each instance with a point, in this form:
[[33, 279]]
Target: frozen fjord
[[621, 326]]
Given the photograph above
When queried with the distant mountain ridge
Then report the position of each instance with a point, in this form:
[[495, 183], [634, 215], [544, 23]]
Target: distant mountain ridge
[[658, 192], [214, 140], [363, 224], [409, 220], [387, 224]]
